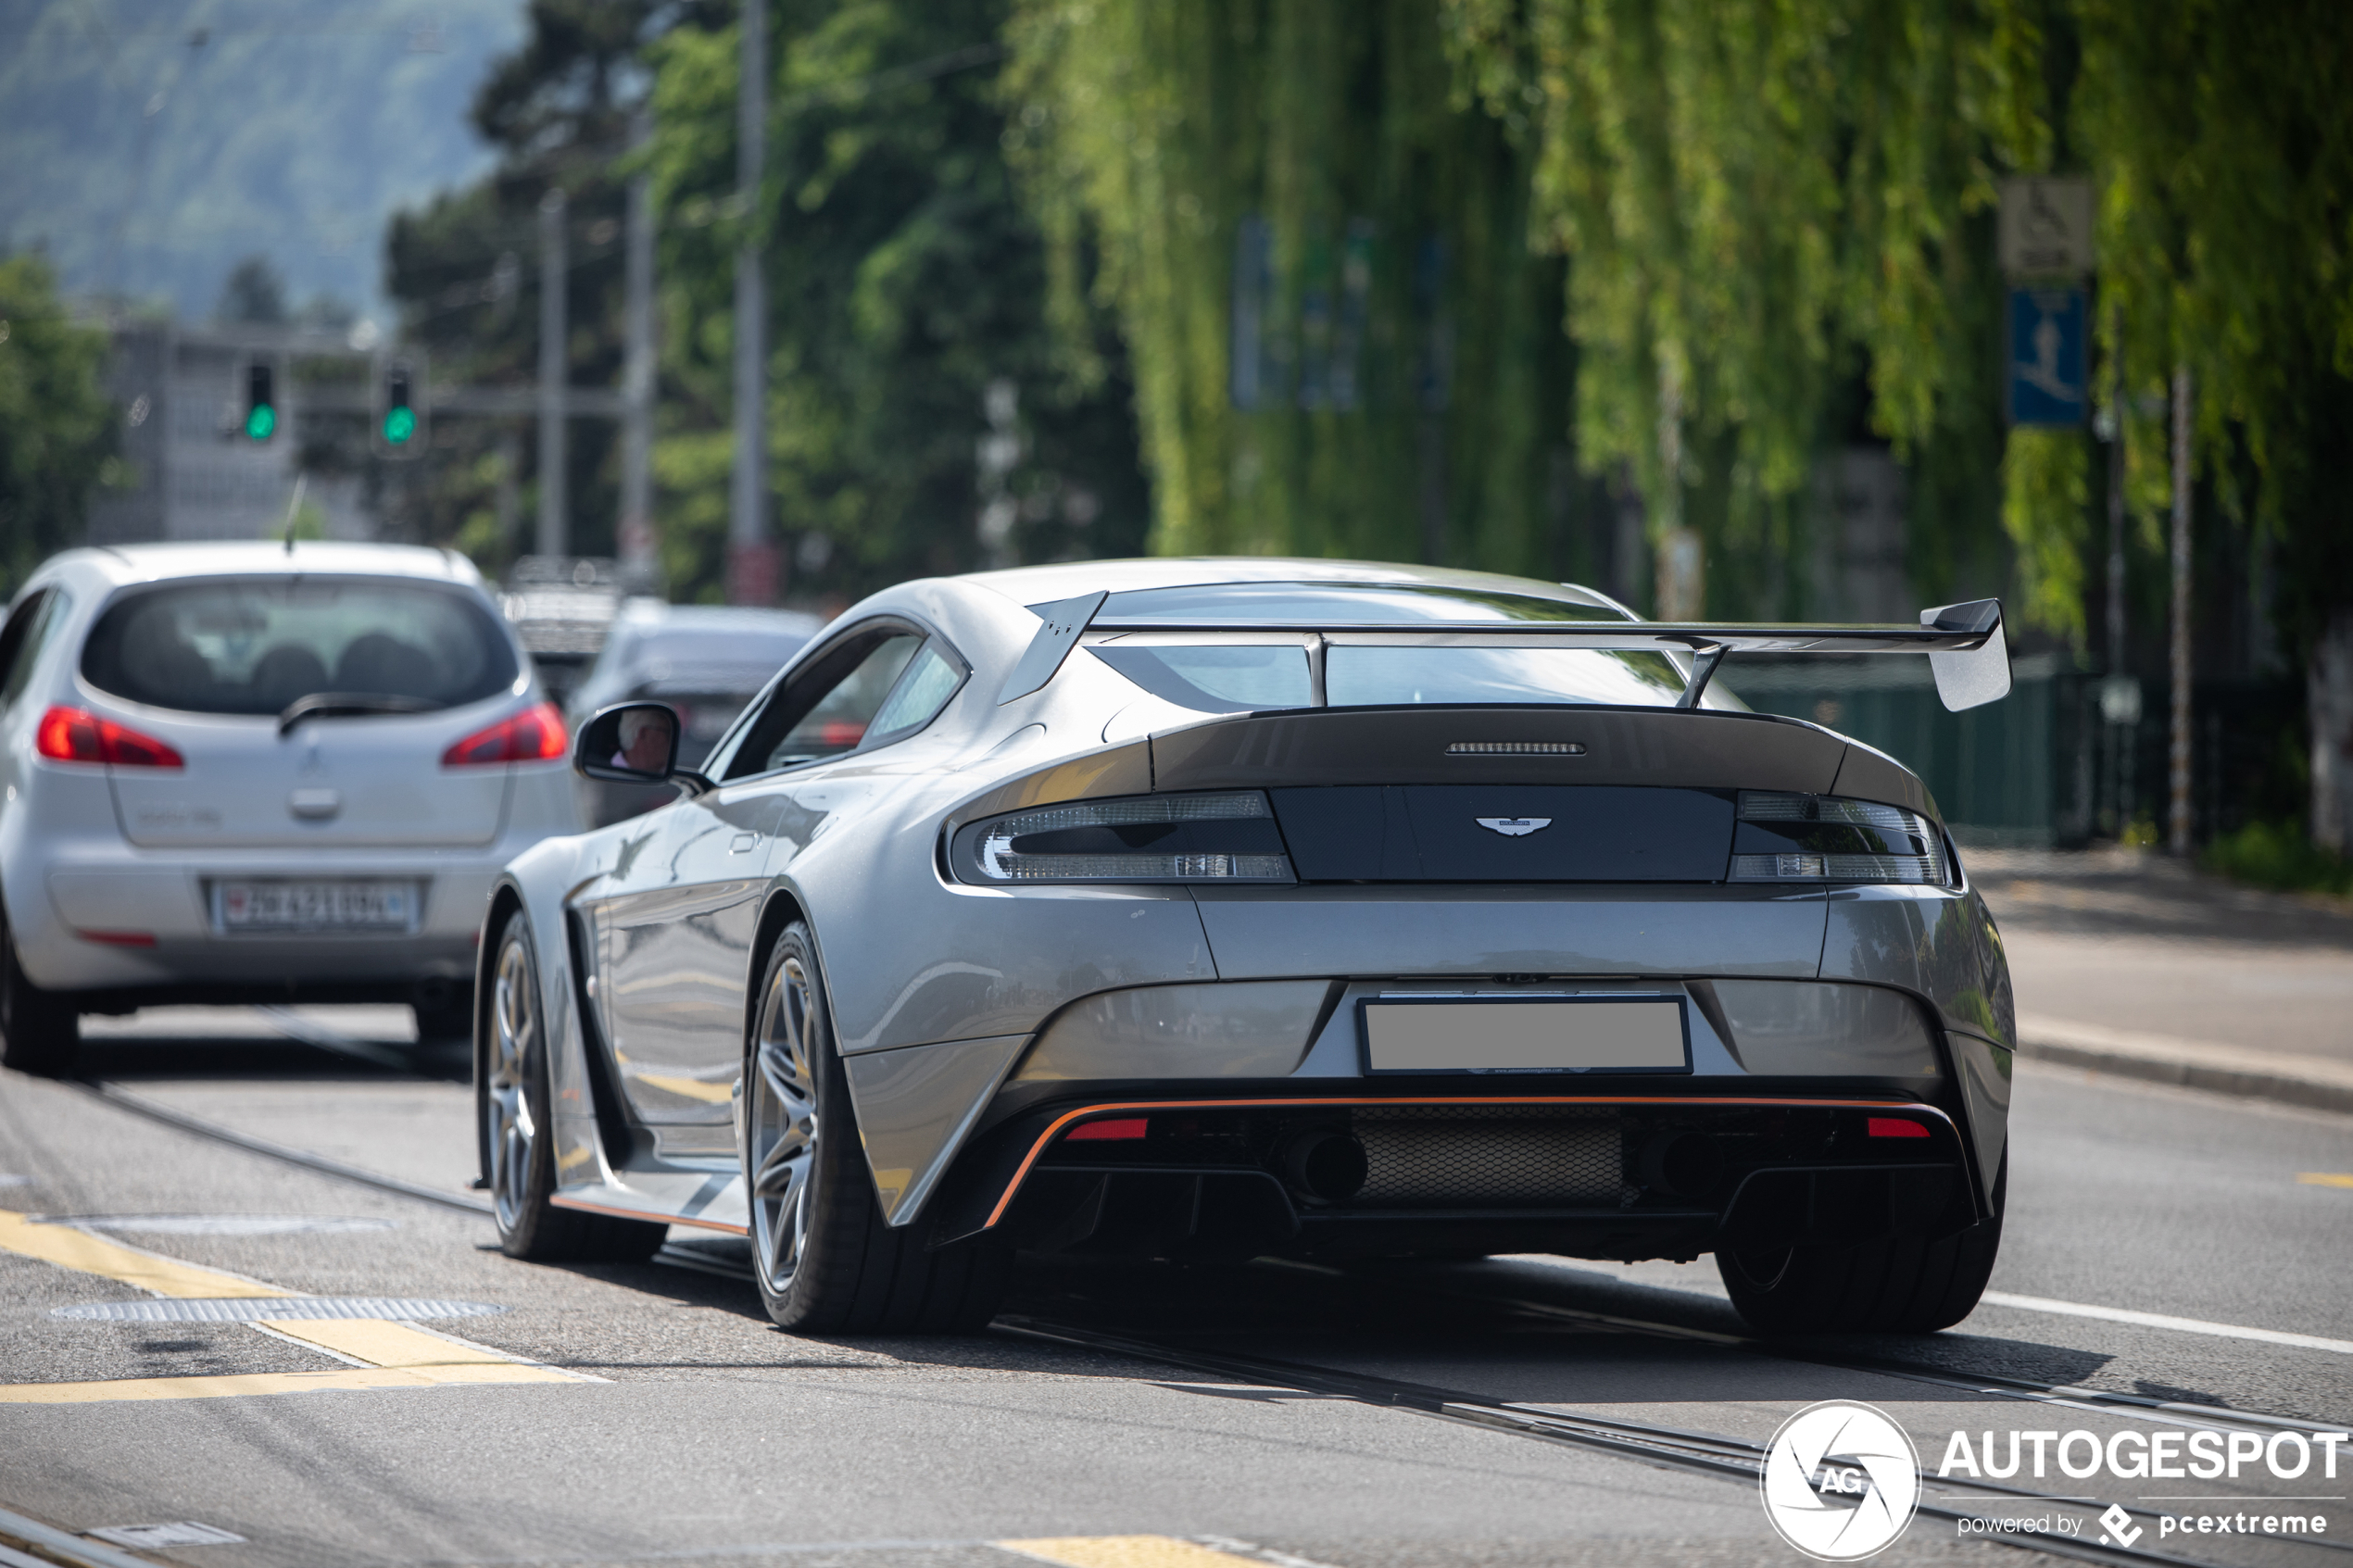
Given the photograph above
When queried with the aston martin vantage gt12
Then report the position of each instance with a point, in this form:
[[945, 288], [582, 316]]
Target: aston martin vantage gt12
[[1247, 908]]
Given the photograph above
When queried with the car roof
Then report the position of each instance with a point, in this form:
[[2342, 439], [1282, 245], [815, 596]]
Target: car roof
[[123, 564], [1062, 580]]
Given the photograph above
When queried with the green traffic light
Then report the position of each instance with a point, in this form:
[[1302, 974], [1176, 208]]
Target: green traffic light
[[400, 425], [262, 423]]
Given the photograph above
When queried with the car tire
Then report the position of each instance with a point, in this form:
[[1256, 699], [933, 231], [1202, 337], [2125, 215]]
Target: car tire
[[511, 1114], [826, 1261], [1897, 1285], [40, 1031]]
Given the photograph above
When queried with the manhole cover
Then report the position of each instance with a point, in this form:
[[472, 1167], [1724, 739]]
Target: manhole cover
[[251, 1309], [219, 1224]]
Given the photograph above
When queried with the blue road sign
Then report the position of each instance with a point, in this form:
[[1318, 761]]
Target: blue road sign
[[2044, 384]]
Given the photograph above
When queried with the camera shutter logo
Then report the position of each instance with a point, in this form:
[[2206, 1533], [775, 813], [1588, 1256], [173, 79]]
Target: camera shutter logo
[[1841, 1481]]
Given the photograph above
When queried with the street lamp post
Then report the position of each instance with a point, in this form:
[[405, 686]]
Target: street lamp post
[[751, 559]]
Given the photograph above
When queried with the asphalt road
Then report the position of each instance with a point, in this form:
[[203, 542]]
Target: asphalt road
[[1263, 1414]]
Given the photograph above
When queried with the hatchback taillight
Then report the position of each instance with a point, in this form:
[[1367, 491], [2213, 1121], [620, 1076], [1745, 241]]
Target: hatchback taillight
[[536, 734], [74, 734]]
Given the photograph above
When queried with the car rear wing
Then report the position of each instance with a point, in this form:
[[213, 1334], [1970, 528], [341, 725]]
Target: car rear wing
[[1965, 648]]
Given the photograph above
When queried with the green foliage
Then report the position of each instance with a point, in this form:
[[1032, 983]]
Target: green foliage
[[2045, 501], [465, 269], [2279, 855], [2225, 157], [904, 276], [1762, 201], [57, 428], [1411, 382]]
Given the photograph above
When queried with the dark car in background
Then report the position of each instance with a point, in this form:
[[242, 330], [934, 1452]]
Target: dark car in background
[[704, 660]]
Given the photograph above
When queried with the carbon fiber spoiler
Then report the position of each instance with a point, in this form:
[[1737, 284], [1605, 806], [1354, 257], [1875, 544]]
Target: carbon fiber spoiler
[[1965, 648]]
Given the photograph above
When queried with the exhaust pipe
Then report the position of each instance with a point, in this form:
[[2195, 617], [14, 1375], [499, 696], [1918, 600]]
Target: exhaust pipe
[[1324, 1164], [1681, 1165]]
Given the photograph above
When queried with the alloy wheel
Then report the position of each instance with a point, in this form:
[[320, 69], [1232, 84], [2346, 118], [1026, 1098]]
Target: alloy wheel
[[506, 1106], [780, 1141]]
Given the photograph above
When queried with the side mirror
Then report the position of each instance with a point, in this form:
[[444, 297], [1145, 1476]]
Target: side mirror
[[633, 742]]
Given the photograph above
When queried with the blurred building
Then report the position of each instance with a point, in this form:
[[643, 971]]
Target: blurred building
[[196, 474]]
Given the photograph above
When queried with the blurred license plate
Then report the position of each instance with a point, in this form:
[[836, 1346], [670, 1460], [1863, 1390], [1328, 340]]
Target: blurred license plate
[[1513, 1034], [314, 906]]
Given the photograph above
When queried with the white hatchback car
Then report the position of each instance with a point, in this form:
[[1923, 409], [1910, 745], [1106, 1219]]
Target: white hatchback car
[[255, 772]]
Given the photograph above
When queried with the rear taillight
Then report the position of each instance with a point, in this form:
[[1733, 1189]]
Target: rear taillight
[[1894, 1127], [536, 734], [1823, 838], [74, 734], [1225, 837]]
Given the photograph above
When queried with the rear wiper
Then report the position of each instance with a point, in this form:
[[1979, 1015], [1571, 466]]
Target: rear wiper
[[345, 705]]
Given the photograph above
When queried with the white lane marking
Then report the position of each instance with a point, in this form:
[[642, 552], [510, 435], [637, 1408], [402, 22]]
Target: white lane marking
[[184, 1532], [2159, 1320]]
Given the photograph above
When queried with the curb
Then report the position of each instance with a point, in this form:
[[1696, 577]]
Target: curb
[[2314, 1083]]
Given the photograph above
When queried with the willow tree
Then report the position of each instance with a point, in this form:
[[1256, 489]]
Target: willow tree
[[2224, 152], [1342, 344], [1767, 202], [1766, 205]]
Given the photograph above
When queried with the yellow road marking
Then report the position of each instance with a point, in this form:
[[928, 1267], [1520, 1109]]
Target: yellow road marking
[[2327, 1179], [1123, 1552], [85, 1253], [688, 1088], [238, 1386], [397, 1355]]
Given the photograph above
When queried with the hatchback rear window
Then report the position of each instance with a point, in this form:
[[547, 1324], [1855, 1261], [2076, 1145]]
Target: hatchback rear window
[[1233, 676], [255, 646]]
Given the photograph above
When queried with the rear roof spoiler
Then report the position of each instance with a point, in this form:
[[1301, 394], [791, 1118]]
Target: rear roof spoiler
[[1965, 648]]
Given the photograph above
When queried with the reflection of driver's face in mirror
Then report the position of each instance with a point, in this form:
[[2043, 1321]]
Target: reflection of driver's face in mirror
[[645, 742]]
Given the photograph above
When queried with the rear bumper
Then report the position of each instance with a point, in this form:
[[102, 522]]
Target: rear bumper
[[114, 921], [1658, 1171]]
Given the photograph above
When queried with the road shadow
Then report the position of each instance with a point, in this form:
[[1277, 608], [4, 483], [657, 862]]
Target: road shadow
[[132, 1059]]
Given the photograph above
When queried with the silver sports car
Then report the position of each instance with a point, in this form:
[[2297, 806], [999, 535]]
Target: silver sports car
[[1186, 908]]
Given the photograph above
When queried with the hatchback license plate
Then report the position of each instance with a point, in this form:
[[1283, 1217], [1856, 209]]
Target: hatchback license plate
[[1608, 1033], [254, 907]]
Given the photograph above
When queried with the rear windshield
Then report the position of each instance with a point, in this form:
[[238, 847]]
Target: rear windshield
[[255, 646], [1224, 679]]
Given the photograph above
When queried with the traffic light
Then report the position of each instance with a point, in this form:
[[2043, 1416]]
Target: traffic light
[[261, 402], [400, 404], [400, 412]]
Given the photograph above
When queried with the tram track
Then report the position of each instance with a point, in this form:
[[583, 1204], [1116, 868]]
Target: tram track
[[1643, 1442], [701, 1260], [1954, 1500]]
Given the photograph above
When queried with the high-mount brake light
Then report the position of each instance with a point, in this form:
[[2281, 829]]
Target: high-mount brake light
[[1823, 838], [1225, 838], [75, 735], [536, 734]]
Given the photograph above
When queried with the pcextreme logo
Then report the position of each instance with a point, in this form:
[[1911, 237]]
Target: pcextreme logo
[[1841, 1481]]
